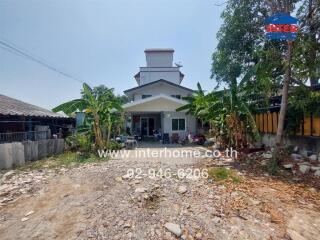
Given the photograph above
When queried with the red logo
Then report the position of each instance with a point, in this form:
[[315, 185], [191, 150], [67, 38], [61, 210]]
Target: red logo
[[281, 26], [284, 28]]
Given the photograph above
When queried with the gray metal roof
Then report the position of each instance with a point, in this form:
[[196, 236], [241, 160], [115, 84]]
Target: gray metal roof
[[11, 106]]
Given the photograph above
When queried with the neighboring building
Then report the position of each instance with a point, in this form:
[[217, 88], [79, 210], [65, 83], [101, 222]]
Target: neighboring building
[[20, 121], [155, 100]]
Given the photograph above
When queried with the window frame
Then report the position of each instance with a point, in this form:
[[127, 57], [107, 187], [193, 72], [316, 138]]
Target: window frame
[[179, 119], [177, 96], [144, 96]]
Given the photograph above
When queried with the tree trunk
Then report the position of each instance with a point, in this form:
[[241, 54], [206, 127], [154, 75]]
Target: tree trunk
[[109, 129], [97, 130], [284, 99]]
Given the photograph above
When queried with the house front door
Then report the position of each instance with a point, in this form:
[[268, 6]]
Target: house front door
[[144, 126], [147, 126], [151, 126]]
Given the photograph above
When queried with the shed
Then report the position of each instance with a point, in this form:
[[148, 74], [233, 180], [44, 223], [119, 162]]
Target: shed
[[20, 121]]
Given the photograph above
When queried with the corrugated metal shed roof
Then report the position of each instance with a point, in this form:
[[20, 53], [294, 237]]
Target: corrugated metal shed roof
[[11, 106]]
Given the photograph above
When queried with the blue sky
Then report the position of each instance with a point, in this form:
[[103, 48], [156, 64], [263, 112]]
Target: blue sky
[[102, 42]]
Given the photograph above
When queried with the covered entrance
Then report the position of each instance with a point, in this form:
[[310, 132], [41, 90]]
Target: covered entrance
[[145, 124], [156, 117]]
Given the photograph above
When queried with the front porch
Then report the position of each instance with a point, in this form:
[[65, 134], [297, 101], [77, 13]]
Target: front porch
[[156, 118], [145, 125], [155, 126]]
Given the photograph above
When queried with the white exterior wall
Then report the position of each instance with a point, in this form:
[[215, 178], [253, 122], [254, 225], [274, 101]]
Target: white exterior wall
[[151, 76], [159, 59], [159, 66], [163, 89]]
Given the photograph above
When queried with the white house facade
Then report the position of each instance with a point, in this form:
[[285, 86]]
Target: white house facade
[[155, 100]]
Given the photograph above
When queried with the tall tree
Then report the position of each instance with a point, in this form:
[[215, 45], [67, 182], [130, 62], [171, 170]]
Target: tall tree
[[306, 58], [286, 6], [284, 64]]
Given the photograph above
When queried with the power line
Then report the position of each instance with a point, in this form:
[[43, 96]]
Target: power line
[[19, 52], [12, 48]]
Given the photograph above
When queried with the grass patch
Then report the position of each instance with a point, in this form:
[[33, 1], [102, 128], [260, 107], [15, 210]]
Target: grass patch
[[273, 165], [221, 174], [67, 159]]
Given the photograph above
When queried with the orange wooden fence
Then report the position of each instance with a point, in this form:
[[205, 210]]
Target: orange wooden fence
[[268, 123]]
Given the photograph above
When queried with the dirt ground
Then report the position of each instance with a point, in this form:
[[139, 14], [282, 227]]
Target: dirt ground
[[100, 201]]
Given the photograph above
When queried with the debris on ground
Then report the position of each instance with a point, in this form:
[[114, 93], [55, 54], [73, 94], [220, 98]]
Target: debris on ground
[[100, 200]]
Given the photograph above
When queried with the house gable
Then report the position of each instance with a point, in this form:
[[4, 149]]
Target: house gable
[[158, 87], [157, 103]]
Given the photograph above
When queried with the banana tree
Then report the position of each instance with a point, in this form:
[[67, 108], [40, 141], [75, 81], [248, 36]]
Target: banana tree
[[110, 111], [90, 105], [226, 110]]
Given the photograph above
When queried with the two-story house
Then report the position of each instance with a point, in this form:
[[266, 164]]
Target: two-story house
[[158, 94]]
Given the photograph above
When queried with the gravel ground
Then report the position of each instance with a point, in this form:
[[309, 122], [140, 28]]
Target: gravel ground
[[101, 201]]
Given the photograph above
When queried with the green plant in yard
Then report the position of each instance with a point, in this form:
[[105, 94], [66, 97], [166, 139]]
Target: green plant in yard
[[80, 142], [285, 65], [99, 105], [112, 145], [220, 174], [273, 165], [227, 112], [90, 105], [67, 159], [85, 144]]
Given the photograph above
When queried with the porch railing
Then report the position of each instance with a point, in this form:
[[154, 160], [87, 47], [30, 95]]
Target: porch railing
[[24, 136]]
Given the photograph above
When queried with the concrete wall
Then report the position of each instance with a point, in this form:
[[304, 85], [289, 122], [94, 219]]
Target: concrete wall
[[31, 150], [17, 153], [304, 143], [151, 76], [6, 160], [159, 59]]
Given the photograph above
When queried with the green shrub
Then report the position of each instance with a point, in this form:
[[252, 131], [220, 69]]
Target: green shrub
[[273, 165], [84, 143], [112, 145], [223, 174], [79, 142], [66, 159]]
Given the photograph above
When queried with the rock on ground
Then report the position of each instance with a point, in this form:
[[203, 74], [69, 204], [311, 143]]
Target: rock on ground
[[174, 228], [304, 169], [90, 202], [182, 189], [313, 158], [317, 173], [296, 157], [288, 166]]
